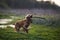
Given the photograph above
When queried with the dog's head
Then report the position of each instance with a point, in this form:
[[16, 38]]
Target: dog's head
[[29, 16]]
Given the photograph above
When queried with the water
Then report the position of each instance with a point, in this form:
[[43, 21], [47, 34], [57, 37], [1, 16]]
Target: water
[[4, 26], [4, 21]]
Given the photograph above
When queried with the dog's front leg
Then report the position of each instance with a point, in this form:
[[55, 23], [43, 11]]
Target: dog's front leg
[[25, 28]]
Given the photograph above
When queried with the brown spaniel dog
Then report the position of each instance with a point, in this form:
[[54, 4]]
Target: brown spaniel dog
[[23, 23]]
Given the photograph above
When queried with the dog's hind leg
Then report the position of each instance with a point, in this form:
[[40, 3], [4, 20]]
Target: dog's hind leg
[[17, 27]]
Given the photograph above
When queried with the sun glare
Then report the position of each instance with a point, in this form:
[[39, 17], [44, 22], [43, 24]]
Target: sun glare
[[56, 1]]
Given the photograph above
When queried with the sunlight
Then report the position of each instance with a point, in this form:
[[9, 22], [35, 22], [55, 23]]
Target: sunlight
[[56, 1]]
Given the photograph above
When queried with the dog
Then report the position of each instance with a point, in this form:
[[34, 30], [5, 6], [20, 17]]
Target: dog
[[24, 23]]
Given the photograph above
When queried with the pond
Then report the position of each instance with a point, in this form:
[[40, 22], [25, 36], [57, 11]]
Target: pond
[[5, 21], [4, 26]]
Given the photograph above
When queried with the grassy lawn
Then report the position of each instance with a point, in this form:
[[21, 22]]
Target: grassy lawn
[[37, 32]]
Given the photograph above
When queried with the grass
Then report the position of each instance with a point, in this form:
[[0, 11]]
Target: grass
[[4, 16], [37, 32]]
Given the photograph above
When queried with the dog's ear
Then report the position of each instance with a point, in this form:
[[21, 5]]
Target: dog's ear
[[31, 16], [28, 16]]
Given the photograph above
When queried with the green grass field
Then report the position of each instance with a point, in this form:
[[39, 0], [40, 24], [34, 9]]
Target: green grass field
[[36, 32]]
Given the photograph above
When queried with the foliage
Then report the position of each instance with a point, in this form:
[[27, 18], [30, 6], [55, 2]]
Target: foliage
[[27, 4]]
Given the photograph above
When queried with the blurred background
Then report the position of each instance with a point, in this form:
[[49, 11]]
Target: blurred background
[[45, 22]]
